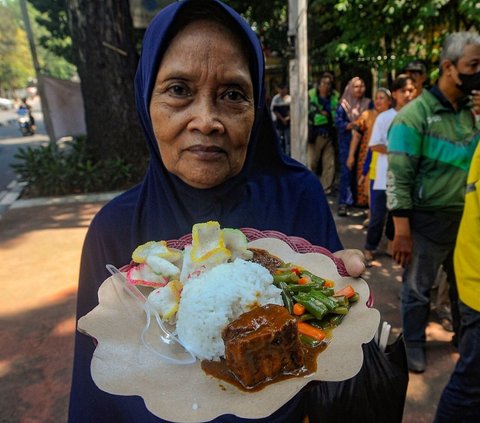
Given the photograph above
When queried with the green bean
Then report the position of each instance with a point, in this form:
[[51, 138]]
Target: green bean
[[313, 277], [286, 297], [340, 310], [303, 288], [309, 341], [291, 277], [312, 305], [305, 316], [329, 302], [354, 298], [329, 321]]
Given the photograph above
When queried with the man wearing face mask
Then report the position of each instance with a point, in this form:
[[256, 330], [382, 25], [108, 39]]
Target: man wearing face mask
[[430, 146]]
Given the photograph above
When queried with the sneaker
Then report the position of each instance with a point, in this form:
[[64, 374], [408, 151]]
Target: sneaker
[[342, 210], [416, 359]]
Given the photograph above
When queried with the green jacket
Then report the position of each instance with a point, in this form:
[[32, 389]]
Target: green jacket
[[315, 117], [430, 147]]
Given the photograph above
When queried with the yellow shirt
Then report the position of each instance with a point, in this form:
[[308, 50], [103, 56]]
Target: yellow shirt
[[467, 249]]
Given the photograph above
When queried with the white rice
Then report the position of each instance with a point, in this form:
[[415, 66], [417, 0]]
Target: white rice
[[217, 297]]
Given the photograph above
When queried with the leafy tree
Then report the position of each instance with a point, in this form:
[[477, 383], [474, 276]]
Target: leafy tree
[[15, 60], [385, 34], [53, 17], [269, 20]]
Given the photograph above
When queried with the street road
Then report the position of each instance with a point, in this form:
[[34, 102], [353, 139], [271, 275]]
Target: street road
[[11, 140]]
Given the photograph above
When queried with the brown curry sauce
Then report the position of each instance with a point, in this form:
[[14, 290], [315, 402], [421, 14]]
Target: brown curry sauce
[[219, 370]]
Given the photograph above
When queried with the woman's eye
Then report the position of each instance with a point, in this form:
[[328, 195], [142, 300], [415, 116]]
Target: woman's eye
[[234, 95], [178, 90]]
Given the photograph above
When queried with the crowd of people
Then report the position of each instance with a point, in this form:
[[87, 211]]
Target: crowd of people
[[216, 155]]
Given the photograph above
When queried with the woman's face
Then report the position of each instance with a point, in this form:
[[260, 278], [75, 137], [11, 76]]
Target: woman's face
[[382, 102], [358, 88], [404, 95], [202, 107]]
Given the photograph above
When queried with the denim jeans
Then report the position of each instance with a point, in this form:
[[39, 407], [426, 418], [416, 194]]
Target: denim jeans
[[378, 215], [418, 279], [347, 183], [460, 400]]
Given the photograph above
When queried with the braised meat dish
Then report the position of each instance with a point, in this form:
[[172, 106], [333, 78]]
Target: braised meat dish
[[262, 344]]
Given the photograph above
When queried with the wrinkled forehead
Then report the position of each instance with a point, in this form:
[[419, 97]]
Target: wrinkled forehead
[[209, 37]]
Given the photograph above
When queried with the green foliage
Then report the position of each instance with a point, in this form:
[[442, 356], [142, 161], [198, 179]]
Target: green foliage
[[269, 19], [357, 35], [52, 16], [16, 67], [72, 169], [54, 46], [15, 60]]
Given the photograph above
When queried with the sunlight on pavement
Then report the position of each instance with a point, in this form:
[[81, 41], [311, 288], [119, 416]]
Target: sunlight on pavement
[[64, 328], [5, 367], [418, 388]]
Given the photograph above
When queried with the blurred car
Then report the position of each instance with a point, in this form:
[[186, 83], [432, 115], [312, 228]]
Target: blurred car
[[6, 104]]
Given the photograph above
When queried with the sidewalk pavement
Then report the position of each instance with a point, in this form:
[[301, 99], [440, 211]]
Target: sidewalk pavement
[[40, 245]]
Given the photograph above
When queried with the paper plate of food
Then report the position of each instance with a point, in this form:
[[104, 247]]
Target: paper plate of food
[[227, 321]]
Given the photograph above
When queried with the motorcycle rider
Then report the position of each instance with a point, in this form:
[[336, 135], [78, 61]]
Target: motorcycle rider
[[25, 110]]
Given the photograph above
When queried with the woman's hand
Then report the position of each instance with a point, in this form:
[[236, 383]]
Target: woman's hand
[[354, 261]]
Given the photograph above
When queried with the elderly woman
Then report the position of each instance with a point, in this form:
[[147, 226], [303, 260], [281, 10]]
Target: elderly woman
[[214, 156]]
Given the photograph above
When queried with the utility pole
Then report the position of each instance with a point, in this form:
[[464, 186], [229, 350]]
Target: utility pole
[[43, 99], [298, 69]]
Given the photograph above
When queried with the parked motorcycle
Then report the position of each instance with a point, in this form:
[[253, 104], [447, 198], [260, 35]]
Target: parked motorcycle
[[25, 121]]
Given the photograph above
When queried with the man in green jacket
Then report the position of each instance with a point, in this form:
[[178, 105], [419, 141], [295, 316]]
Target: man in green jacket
[[323, 101], [430, 146]]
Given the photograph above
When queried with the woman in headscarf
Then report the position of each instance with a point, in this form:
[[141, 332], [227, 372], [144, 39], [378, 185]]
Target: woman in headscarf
[[214, 156], [352, 104], [362, 130]]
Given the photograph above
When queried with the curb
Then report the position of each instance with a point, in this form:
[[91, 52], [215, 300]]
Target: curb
[[9, 198], [69, 199]]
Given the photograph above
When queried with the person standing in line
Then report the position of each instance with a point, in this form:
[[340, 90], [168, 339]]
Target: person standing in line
[[430, 146], [352, 103], [418, 72], [362, 131], [323, 100], [402, 92], [280, 107], [460, 400]]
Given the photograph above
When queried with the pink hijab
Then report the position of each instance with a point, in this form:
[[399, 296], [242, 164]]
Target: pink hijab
[[352, 105]]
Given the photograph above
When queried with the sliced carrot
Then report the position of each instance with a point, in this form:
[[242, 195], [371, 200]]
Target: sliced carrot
[[298, 309], [347, 290], [304, 280], [328, 284], [309, 330], [296, 270]]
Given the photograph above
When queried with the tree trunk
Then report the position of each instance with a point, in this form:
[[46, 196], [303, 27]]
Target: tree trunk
[[104, 47]]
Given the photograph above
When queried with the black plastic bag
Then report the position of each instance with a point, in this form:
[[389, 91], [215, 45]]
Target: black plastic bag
[[375, 395]]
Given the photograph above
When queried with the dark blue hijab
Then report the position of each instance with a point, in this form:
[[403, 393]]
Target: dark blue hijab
[[271, 192]]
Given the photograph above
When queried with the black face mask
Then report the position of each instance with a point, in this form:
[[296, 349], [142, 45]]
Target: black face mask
[[469, 82]]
